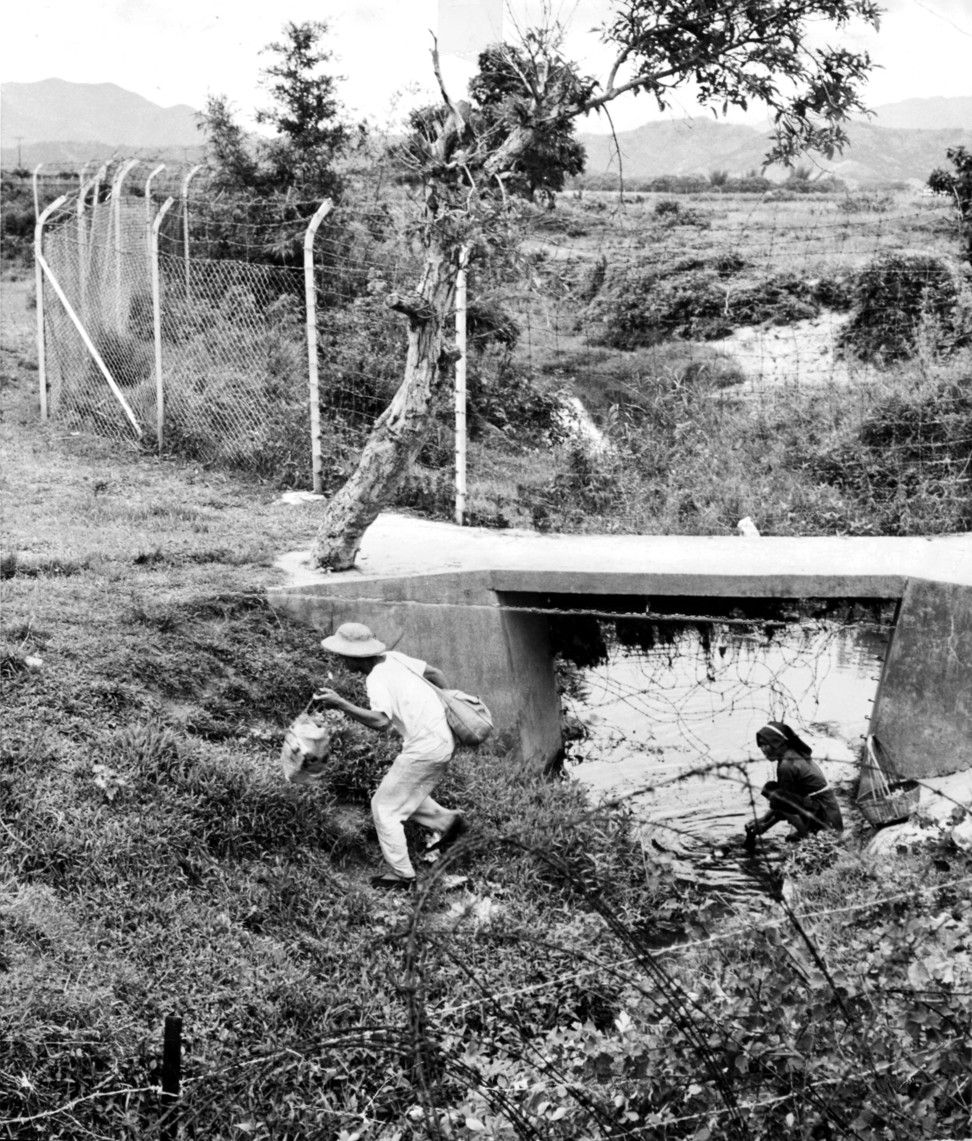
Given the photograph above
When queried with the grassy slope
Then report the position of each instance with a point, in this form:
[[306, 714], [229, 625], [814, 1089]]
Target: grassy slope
[[152, 858]]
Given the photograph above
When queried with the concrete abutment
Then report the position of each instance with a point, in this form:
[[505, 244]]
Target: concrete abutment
[[468, 622]]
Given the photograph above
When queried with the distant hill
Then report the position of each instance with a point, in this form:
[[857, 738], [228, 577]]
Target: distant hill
[[934, 114], [699, 146], [57, 122], [78, 121]]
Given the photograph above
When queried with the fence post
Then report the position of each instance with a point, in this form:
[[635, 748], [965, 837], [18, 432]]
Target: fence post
[[39, 286], [157, 322], [185, 220], [171, 1077], [91, 184], [148, 204], [461, 385], [82, 283], [310, 298], [36, 192], [100, 174], [116, 192]]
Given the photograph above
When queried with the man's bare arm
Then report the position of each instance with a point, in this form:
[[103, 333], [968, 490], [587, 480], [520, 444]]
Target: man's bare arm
[[370, 718]]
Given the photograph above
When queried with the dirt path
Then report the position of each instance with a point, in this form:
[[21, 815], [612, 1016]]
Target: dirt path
[[18, 331], [803, 353]]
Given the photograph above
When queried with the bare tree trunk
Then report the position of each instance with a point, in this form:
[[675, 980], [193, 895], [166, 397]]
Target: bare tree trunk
[[400, 431]]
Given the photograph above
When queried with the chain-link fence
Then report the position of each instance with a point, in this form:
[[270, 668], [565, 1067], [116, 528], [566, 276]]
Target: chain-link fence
[[615, 350], [206, 355]]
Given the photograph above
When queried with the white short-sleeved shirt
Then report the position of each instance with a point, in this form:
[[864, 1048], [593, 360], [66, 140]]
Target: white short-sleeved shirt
[[396, 688]]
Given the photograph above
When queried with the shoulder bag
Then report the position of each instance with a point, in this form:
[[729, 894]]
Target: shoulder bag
[[466, 715]]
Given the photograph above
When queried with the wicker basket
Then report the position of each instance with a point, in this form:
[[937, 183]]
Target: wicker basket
[[900, 801]]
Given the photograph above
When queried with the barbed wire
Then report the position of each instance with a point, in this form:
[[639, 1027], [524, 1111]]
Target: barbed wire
[[205, 312], [695, 944], [75, 1102]]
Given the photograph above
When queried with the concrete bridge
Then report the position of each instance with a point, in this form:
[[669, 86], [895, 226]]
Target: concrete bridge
[[473, 602]]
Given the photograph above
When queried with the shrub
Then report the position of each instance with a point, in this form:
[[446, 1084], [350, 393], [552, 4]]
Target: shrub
[[958, 186], [699, 299], [903, 300], [512, 398], [17, 230], [128, 359], [666, 208], [908, 460]]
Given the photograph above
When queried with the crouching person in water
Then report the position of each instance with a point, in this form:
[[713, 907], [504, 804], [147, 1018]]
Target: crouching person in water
[[800, 794], [401, 693]]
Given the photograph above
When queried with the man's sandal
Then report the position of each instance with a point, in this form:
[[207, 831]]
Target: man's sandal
[[393, 883]]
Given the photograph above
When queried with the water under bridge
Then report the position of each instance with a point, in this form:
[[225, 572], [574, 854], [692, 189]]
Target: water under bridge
[[479, 604]]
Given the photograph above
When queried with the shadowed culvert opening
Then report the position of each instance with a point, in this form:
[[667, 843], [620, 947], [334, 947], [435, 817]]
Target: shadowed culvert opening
[[662, 698]]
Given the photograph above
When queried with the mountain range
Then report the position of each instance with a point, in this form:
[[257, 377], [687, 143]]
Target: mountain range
[[699, 146], [54, 121]]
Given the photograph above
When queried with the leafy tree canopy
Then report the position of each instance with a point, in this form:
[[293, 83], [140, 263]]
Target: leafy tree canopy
[[502, 96], [311, 133], [957, 184], [734, 53]]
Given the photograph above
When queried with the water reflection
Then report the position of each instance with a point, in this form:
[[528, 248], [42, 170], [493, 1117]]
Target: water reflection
[[672, 729]]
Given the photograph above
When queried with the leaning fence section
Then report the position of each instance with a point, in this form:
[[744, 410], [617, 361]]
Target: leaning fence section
[[209, 355]]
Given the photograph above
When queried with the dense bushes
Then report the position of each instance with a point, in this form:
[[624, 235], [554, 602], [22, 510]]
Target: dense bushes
[[909, 459], [17, 229], [704, 298], [904, 301], [18, 217]]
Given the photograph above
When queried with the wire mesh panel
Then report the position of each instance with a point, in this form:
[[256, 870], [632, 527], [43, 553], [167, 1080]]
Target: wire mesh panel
[[234, 338], [98, 255], [235, 365], [233, 326]]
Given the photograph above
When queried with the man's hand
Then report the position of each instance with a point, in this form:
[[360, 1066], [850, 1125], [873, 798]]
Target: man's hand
[[329, 698], [370, 718]]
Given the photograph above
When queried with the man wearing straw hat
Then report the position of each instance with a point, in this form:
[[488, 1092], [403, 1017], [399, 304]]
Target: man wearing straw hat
[[401, 695]]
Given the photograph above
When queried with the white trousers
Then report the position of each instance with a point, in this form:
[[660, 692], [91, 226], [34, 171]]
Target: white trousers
[[404, 794]]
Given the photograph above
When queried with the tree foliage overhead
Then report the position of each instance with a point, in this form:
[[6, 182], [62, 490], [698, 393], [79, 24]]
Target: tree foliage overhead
[[733, 53], [501, 97], [509, 81], [738, 52]]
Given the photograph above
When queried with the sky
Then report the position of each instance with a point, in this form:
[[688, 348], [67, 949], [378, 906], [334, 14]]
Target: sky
[[180, 51]]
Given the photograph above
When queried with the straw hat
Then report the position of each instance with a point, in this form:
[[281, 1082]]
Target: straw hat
[[353, 640]]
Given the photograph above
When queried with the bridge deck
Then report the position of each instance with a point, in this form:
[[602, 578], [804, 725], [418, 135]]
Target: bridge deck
[[468, 560]]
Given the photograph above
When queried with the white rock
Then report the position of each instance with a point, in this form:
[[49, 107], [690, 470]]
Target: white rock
[[962, 835]]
